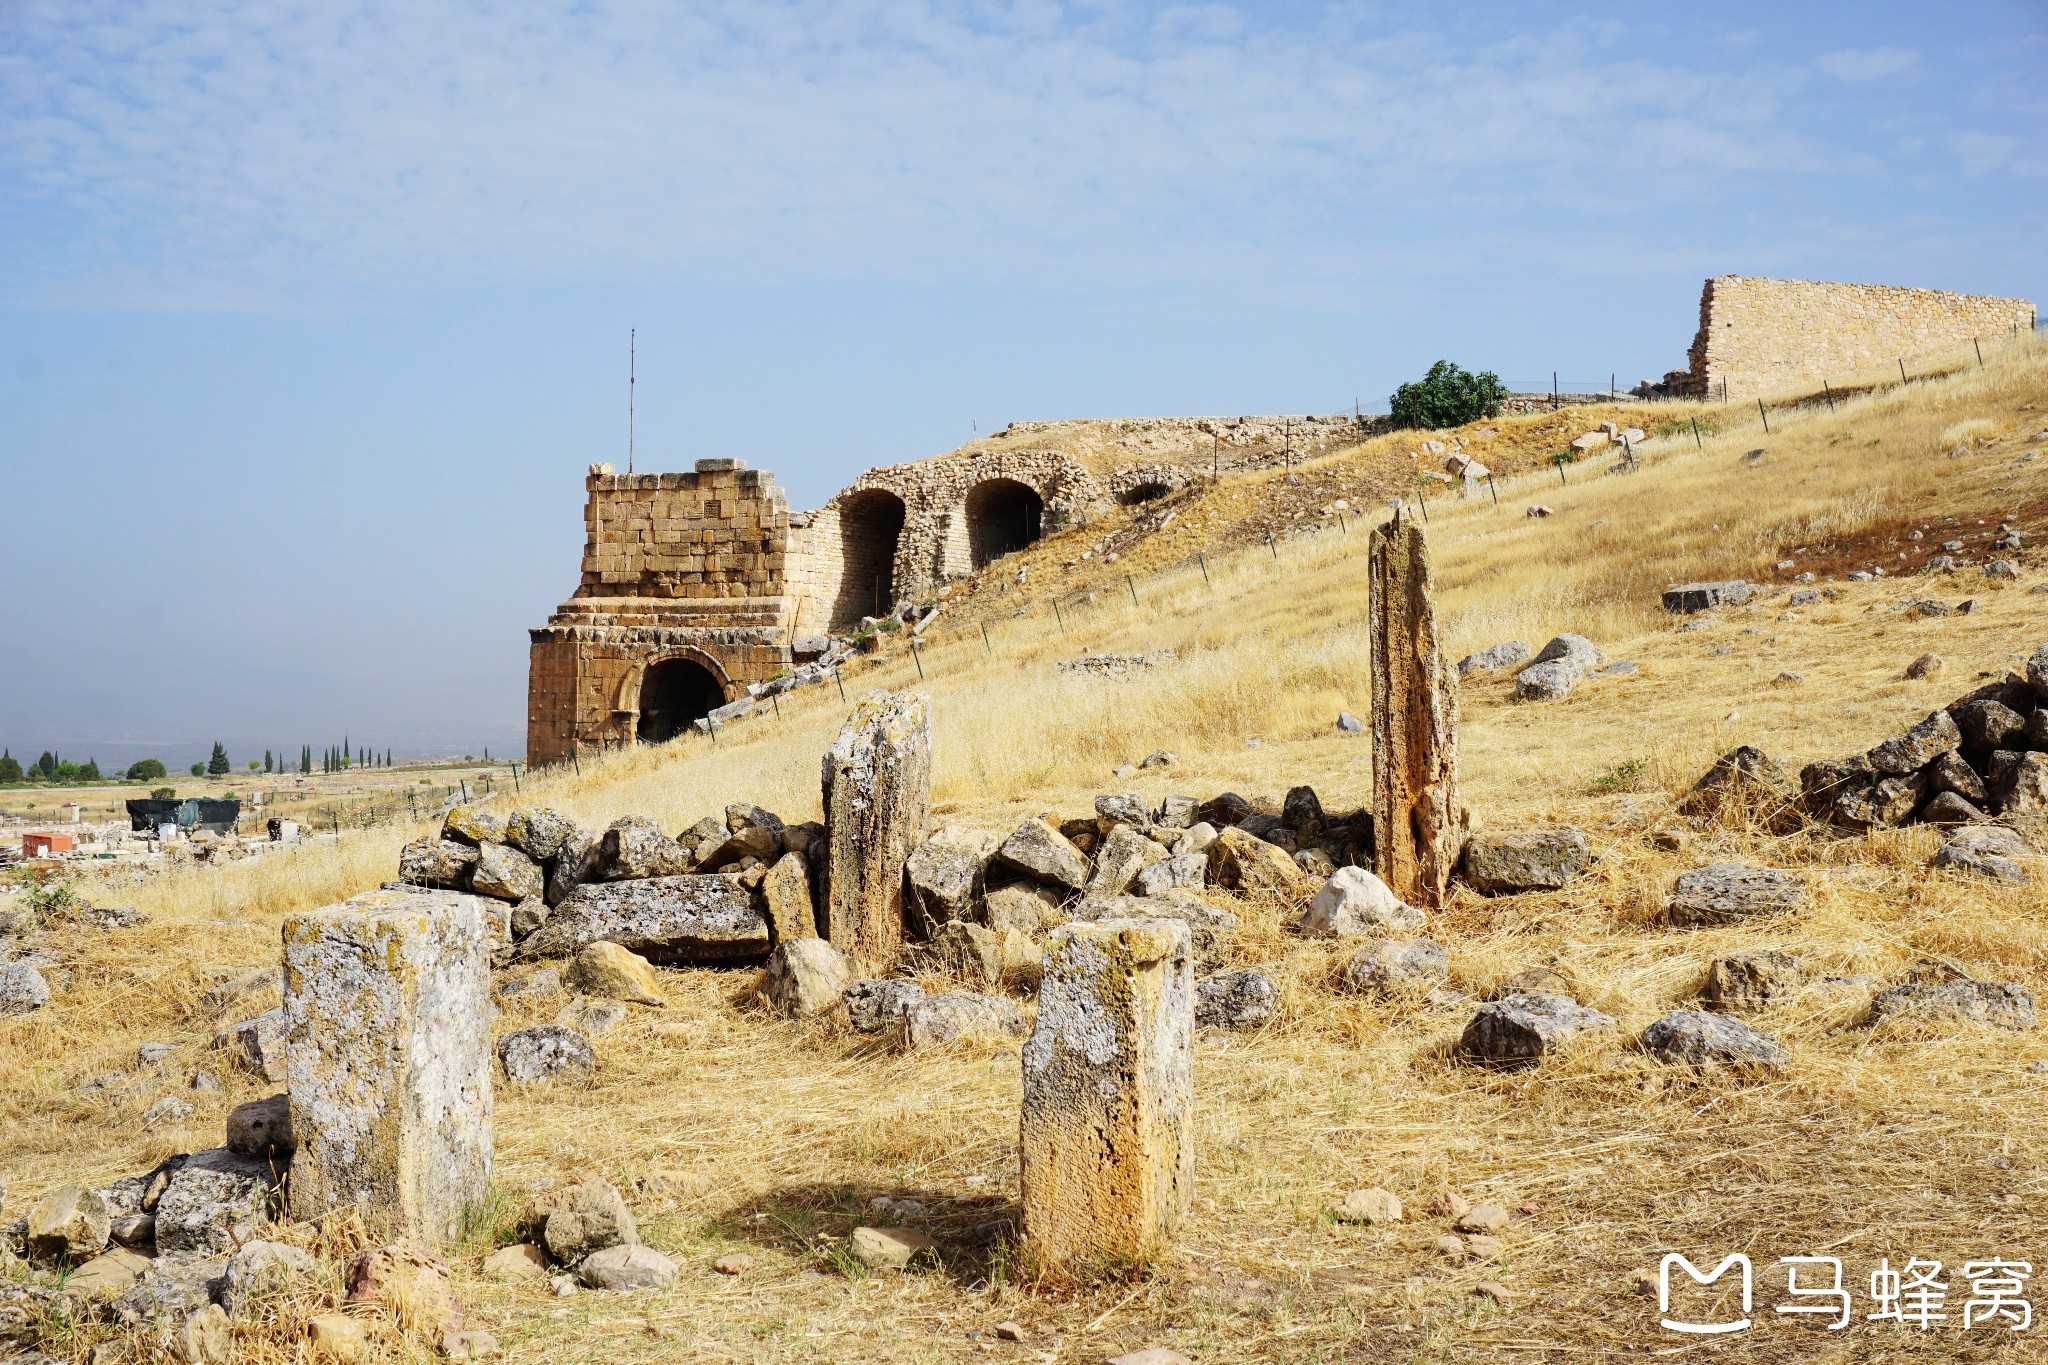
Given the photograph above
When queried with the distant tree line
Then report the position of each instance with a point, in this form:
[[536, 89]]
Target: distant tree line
[[51, 769]]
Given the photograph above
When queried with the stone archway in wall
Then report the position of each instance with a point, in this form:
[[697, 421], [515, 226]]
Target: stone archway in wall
[[1003, 516], [674, 692], [870, 530]]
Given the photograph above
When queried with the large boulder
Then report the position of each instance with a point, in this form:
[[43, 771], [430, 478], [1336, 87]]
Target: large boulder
[[1688, 598], [609, 972], [213, 1202], [1965, 1001], [1493, 658], [473, 825], [1985, 850], [1244, 998], [262, 1128], [1125, 852], [22, 989], [505, 873], [70, 1225], [969, 952], [1353, 903], [1025, 907], [1918, 747], [1989, 724], [1180, 872], [944, 882], [805, 976], [440, 863], [1245, 863], [1041, 852], [635, 848], [1557, 668], [1732, 893], [538, 832], [937, 1019], [1521, 1029], [663, 919], [1509, 862], [578, 862], [1696, 1038], [1122, 808], [623, 1269]]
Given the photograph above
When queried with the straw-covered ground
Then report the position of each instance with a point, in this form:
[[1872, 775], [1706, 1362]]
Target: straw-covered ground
[[732, 1132]]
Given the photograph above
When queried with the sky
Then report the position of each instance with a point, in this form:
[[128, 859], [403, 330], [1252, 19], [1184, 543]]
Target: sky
[[313, 314]]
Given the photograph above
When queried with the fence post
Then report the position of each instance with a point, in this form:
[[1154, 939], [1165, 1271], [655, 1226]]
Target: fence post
[[1765, 415], [775, 698], [1203, 560], [1131, 583], [916, 660], [1980, 351], [1491, 489], [1697, 439], [841, 681], [991, 649], [1902, 369], [1829, 394], [464, 784], [1056, 615], [414, 805], [1271, 546], [574, 761], [516, 789]]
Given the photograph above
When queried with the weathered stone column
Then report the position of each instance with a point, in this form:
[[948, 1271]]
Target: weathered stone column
[[387, 1001], [878, 804], [1417, 825], [1107, 1143]]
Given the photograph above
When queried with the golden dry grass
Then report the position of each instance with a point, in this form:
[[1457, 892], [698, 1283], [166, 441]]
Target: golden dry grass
[[1886, 1143]]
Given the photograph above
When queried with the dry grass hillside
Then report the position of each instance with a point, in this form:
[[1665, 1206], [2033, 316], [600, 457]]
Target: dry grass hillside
[[745, 1134]]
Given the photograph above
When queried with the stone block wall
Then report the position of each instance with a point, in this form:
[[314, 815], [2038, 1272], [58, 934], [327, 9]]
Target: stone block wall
[[1760, 336]]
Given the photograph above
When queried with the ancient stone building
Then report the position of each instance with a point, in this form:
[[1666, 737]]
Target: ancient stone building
[[1760, 336]]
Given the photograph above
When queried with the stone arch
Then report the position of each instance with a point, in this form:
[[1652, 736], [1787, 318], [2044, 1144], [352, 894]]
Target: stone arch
[[1002, 516], [666, 693], [870, 539]]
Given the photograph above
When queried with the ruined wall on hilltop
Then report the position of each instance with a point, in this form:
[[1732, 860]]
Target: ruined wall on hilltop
[[1760, 336]]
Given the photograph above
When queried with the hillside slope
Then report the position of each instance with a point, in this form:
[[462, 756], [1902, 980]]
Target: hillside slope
[[1873, 1143]]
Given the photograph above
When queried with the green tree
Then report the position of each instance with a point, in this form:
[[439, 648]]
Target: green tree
[[89, 771], [1447, 397], [254, 766], [305, 758], [198, 770], [10, 767], [218, 765], [164, 793], [146, 770], [269, 764], [44, 769]]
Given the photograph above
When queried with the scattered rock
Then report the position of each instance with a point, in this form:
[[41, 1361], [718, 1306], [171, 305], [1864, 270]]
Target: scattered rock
[[338, 1338], [1370, 1207], [1507, 654], [1354, 902], [591, 1018], [1694, 1037], [663, 919], [407, 1285], [609, 972], [1731, 893], [22, 989], [520, 1263], [1918, 747], [943, 881], [931, 1021], [889, 1248], [262, 1128], [469, 1344], [1247, 864], [1042, 852], [1125, 852], [1244, 998], [545, 1052], [1748, 981], [1506, 864], [634, 848], [1689, 598], [1743, 778], [256, 1046], [1348, 723], [505, 873], [623, 1269], [1557, 668], [213, 1202], [437, 862], [585, 1217], [1389, 967], [69, 1225], [260, 1268], [876, 1006], [1180, 872], [2002, 1005], [1483, 1218], [805, 976], [739, 1263], [1986, 850], [1524, 1028]]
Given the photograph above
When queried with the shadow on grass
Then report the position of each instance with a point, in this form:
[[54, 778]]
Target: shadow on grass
[[975, 1235]]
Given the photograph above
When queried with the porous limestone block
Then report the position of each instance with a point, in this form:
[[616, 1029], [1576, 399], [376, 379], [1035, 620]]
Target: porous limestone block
[[388, 1059], [1107, 1142], [877, 780]]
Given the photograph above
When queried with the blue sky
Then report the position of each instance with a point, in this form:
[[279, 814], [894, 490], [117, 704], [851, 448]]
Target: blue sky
[[311, 314]]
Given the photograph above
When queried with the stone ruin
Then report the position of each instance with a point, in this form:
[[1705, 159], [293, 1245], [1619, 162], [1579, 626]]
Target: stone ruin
[[698, 589]]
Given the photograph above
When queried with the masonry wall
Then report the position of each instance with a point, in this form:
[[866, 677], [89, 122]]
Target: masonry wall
[[1761, 336]]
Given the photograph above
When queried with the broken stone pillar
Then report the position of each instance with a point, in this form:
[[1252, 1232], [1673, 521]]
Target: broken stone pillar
[[1418, 827], [878, 801], [388, 1011], [1107, 1143]]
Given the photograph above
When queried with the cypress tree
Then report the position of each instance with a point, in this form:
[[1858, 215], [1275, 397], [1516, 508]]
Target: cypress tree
[[217, 766]]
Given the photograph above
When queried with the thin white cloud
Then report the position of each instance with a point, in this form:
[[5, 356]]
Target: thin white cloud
[[1857, 66], [239, 153]]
